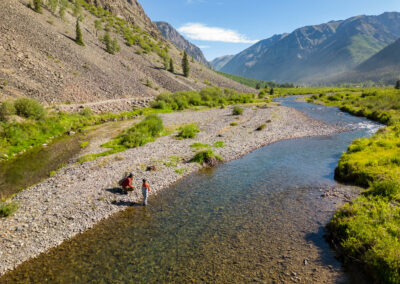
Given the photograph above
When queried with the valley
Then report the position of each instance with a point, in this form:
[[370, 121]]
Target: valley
[[278, 163]]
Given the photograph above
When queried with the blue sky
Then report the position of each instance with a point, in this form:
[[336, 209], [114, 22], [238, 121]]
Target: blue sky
[[221, 27]]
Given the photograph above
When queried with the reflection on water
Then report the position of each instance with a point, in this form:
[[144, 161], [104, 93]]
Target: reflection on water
[[35, 165], [259, 218]]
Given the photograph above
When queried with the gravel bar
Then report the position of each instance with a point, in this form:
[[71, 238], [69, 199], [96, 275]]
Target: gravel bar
[[81, 195]]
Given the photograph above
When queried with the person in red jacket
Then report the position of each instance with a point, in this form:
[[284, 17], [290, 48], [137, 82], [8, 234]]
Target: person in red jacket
[[127, 183], [145, 191]]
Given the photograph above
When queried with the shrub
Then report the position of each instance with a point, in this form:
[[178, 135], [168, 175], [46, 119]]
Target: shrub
[[37, 6], [234, 123], [143, 132], [6, 109], [112, 45], [262, 94], [148, 83], [207, 157], [29, 108], [210, 96], [63, 8], [261, 127], [87, 112], [188, 131], [53, 5], [237, 110], [219, 144], [8, 209]]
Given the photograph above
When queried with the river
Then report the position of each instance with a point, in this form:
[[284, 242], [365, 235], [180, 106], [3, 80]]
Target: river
[[260, 218]]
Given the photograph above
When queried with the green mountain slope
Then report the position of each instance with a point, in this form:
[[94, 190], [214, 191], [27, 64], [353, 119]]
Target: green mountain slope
[[314, 52]]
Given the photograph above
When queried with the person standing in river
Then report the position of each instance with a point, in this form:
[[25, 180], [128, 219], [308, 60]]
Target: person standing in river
[[145, 191]]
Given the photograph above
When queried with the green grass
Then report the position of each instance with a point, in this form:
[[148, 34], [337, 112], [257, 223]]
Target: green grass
[[180, 171], [8, 209], [219, 144], [198, 145], [173, 161], [84, 144], [188, 131], [368, 228]]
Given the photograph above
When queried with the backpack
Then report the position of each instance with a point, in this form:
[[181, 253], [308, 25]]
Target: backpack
[[121, 181]]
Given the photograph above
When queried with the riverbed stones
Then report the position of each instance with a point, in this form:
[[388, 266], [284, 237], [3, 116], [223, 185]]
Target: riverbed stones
[[81, 195]]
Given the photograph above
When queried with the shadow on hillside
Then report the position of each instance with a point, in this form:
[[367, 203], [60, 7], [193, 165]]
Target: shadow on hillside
[[68, 37]]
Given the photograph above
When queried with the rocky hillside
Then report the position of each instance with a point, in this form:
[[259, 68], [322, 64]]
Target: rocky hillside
[[171, 34], [313, 52], [219, 62], [40, 59]]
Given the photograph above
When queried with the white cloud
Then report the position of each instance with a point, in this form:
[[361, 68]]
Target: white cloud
[[197, 31], [204, 46]]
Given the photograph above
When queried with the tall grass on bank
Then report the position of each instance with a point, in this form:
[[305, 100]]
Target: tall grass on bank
[[138, 135], [368, 228], [20, 133]]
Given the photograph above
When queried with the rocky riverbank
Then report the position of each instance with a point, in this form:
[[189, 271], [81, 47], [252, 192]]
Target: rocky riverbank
[[80, 195]]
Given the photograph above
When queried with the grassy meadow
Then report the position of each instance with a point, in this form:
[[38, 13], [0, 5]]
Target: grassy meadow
[[368, 228]]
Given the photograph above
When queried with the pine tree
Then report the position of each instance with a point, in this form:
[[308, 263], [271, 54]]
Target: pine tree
[[37, 6], [166, 63], [171, 66], [78, 38], [185, 65], [107, 41], [397, 85], [258, 86], [271, 92]]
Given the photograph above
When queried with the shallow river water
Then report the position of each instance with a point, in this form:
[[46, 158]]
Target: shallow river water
[[256, 219]]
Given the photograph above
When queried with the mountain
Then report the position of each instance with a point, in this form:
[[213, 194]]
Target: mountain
[[387, 58], [176, 38], [219, 62], [383, 67], [40, 59], [313, 52]]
